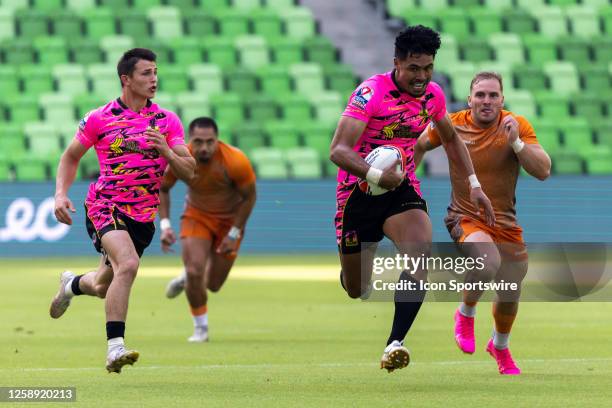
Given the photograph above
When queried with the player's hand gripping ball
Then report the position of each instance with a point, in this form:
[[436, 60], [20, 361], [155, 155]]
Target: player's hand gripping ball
[[381, 158]]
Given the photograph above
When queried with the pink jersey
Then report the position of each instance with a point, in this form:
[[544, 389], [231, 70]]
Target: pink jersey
[[130, 170], [393, 117]]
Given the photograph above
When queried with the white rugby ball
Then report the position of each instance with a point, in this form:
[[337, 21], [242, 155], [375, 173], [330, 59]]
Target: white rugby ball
[[381, 158]]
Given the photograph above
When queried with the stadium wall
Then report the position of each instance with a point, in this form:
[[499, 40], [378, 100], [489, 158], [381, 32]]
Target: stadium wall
[[296, 217]]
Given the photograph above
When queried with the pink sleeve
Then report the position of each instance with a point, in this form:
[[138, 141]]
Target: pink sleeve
[[439, 103], [87, 133], [175, 135], [364, 101]]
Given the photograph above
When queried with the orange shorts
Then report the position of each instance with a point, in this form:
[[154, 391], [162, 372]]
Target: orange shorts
[[510, 239], [198, 224]]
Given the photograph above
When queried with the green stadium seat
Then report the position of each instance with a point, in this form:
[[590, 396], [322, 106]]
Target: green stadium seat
[[173, 79], [85, 51], [567, 163], [57, 108], [422, 16], [501, 67], [3, 115], [262, 108], [66, 24], [12, 146], [269, 163], [9, 81], [519, 21], [308, 77], [295, 107], [192, 105], [547, 133], [279, 5], [575, 50], [461, 75], [99, 22], [603, 130], [398, 8], [562, 3], [321, 50], [266, 23], [232, 23], [588, 105], [166, 22], [282, 134], [595, 79], [228, 108], [563, 77], [595, 3], [529, 4], [507, 47], [18, 51], [15, 4], [30, 171], [200, 23], [24, 108], [599, 161], [36, 79], [275, 80], [5, 171], [185, 6], [166, 100], [304, 163], [340, 78], [246, 5], [249, 136], [206, 78], [186, 51], [448, 54], [115, 4], [299, 22], [602, 50], [80, 5], [90, 166], [286, 51], [241, 81], [43, 139], [551, 21], [530, 77], [577, 134], [434, 4], [133, 23], [331, 170], [66, 132], [70, 78], [476, 50], [466, 4], [161, 49], [51, 50], [485, 21], [318, 136], [605, 14], [104, 80], [328, 107], [114, 46], [220, 51], [46, 5], [540, 49], [7, 24], [87, 102], [498, 4], [520, 102], [32, 23], [214, 5], [252, 51], [454, 21], [552, 105], [583, 21]]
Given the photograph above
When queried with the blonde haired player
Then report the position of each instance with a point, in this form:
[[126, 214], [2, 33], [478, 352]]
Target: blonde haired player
[[220, 198], [499, 143]]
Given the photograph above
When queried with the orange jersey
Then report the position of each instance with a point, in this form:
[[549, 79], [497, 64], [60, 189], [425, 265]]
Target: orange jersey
[[495, 164], [213, 190]]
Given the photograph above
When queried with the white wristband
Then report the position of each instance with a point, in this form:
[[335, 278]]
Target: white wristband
[[517, 145], [164, 224], [373, 175], [473, 181], [234, 233]]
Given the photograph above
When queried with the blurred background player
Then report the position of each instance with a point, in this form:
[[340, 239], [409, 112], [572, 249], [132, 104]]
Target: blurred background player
[[220, 198], [393, 109], [135, 140], [499, 143]]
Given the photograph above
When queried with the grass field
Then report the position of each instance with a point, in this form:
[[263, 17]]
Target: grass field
[[284, 334]]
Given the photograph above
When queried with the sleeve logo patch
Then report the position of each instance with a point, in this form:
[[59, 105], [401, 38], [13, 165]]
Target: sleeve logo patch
[[362, 97]]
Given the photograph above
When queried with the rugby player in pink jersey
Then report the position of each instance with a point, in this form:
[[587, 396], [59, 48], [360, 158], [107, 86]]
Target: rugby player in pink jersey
[[393, 109], [135, 140]]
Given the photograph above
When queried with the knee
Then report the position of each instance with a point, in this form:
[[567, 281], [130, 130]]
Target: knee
[[214, 286], [128, 268], [101, 290], [195, 274], [488, 271]]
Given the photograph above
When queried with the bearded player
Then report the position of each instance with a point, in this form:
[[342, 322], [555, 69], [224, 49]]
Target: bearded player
[[499, 142], [393, 109], [220, 198]]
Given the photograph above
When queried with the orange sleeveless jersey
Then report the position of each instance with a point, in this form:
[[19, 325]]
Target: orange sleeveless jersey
[[214, 189], [495, 164]]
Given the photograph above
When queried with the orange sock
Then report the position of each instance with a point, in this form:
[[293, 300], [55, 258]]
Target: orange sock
[[199, 311], [503, 321]]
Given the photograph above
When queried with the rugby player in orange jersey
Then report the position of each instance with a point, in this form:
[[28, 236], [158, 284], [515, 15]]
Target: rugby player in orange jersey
[[219, 201], [499, 143]]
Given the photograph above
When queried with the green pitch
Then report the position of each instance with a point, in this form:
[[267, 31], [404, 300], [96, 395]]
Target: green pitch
[[290, 342]]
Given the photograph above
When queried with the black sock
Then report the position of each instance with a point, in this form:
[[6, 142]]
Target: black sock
[[75, 285], [115, 329], [407, 305]]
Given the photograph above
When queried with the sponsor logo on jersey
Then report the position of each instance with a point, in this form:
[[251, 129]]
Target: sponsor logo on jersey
[[362, 97]]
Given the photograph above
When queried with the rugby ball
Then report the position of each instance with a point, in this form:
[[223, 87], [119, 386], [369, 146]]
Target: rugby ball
[[381, 158]]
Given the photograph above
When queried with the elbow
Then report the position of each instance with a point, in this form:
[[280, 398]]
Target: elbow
[[543, 175], [333, 154]]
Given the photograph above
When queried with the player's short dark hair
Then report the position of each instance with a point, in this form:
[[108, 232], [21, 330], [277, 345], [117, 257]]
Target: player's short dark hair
[[128, 60], [487, 75], [417, 39], [203, 122]]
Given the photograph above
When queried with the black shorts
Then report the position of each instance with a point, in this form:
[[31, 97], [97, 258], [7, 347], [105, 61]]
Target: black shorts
[[364, 215], [141, 233]]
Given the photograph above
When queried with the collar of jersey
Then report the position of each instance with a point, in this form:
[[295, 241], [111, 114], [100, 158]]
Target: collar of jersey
[[124, 106], [399, 89]]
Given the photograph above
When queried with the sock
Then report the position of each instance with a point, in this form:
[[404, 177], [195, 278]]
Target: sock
[[467, 310], [500, 340], [72, 287], [115, 343], [114, 330], [407, 305], [200, 316]]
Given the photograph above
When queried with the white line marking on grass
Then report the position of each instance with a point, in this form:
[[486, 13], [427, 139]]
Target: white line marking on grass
[[321, 365]]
